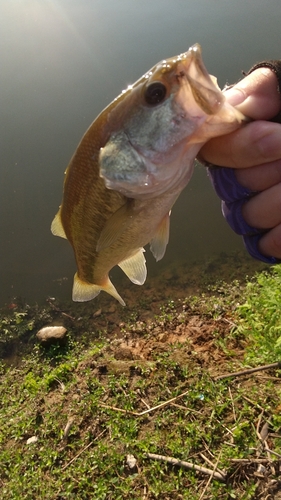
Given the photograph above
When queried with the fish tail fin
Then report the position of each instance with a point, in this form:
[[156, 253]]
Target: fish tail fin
[[82, 291]]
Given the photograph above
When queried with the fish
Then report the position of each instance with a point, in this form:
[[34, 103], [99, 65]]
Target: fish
[[130, 167]]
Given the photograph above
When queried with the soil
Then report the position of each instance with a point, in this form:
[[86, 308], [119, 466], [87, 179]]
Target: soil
[[158, 316], [176, 284]]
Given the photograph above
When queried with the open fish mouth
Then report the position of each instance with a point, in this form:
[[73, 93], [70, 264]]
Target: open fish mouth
[[203, 86]]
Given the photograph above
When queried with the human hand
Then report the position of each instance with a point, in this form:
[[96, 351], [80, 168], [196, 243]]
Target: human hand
[[254, 151]]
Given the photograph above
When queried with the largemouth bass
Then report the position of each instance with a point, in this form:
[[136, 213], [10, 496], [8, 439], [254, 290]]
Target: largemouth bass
[[132, 164]]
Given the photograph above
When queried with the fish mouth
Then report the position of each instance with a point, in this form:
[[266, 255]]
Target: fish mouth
[[203, 86], [206, 93]]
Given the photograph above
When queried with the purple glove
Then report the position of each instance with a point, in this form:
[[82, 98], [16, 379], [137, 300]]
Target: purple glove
[[233, 197]]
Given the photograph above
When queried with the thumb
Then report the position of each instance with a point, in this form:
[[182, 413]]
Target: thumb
[[256, 96]]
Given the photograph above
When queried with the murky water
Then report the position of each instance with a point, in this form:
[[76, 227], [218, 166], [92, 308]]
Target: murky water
[[62, 62]]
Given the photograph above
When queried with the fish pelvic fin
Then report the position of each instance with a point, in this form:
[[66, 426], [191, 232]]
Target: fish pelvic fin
[[83, 291], [159, 242], [57, 227], [115, 226], [134, 267]]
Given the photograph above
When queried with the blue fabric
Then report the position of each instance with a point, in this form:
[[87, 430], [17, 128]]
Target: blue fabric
[[226, 185], [233, 214], [251, 244], [233, 197]]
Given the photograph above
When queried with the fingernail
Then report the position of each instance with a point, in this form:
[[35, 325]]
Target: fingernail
[[235, 96]]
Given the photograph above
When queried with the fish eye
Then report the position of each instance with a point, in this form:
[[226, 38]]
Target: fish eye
[[155, 93]]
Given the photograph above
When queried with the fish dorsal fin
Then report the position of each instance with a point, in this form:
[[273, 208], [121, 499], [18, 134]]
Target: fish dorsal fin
[[82, 291], [115, 226], [134, 267], [57, 227], [159, 242]]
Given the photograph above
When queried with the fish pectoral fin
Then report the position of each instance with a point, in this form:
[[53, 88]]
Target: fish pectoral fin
[[134, 267], [57, 227], [83, 291], [115, 226], [159, 242]]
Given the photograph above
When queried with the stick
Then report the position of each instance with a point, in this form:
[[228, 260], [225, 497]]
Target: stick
[[250, 370], [211, 477], [145, 411], [272, 452], [250, 460], [83, 449], [233, 407], [211, 463], [187, 465], [59, 310]]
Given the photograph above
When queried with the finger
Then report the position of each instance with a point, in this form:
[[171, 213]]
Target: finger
[[263, 210], [256, 143], [256, 96], [270, 243], [260, 177]]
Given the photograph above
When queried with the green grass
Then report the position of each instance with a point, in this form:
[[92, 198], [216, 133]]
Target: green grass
[[260, 317], [108, 382]]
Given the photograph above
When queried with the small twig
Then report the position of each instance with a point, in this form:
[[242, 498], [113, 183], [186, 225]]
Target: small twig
[[232, 402], [59, 310], [84, 449], [272, 453], [230, 444], [130, 412], [186, 408], [255, 404], [187, 465], [206, 459], [211, 463], [250, 460], [274, 435], [62, 386], [208, 450], [262, 436], [109, 407], [261, 440], [144, 493], [211, 477], [145, 403], [258, 426], [250, 370]]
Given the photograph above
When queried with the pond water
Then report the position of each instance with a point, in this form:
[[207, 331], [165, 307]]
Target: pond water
[[62, 62]]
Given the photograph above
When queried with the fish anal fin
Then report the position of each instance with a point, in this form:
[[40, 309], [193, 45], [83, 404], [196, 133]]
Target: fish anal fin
[[134, 267], [57, 227], [83, 291], [159, 242], [115, 226]]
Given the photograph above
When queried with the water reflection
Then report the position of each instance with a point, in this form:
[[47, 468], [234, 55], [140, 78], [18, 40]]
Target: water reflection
[[62, 62]]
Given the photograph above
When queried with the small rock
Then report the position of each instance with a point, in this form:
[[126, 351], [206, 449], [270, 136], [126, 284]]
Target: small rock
[[32, 440], [131, 466], [52, 335], [131, 461]]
